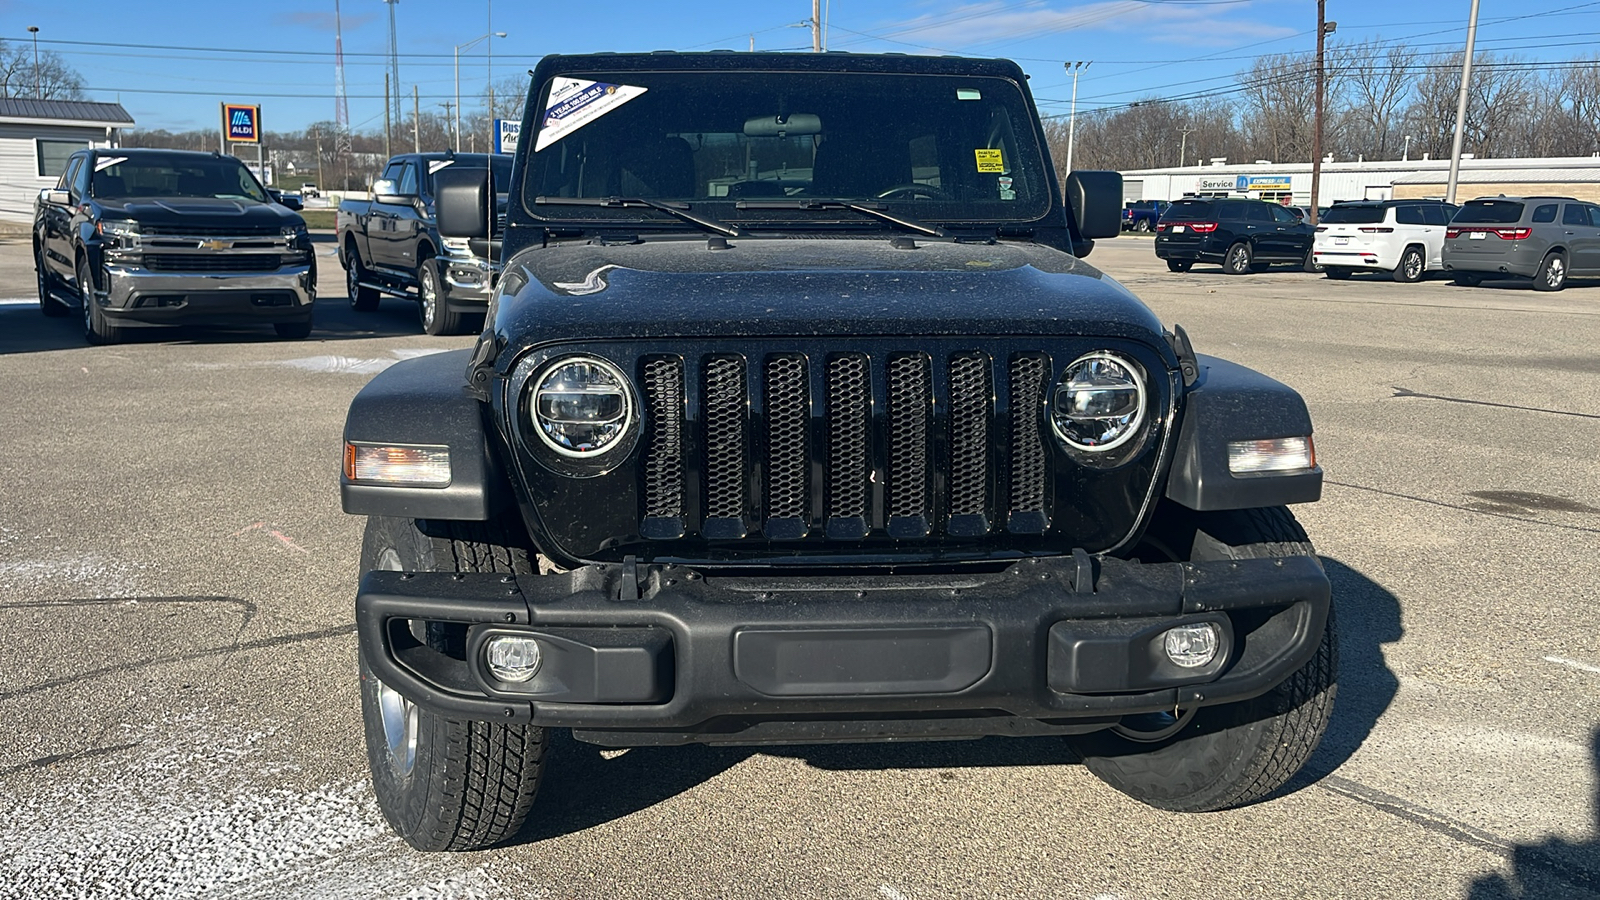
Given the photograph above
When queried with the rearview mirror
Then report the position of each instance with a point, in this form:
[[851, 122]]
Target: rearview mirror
[[385, 191], [462, 202], [782, 126], [1096, 202]]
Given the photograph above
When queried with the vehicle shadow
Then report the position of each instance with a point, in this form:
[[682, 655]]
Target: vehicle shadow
[[583, 788], [1554, 868]]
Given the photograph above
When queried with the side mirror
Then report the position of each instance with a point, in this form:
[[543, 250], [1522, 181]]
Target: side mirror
[[385, 191], [463, 200], [291, 201], [1096, 202], [54, 197]]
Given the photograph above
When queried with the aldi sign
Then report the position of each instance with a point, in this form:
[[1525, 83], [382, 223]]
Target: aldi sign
[[241, 123]]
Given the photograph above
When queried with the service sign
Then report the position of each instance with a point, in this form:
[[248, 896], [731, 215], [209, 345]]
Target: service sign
[[1215, 183], [506, 132], [241, 123]]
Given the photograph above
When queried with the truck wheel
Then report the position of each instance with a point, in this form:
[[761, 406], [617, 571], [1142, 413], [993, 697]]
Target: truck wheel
[[1179, 265], [445, 784], [1237, 262], [48, 304], [1238, 753], [1337, 273], [1409, 269], [96, 330], [362, 298], [1467, 279], [437, 317], [1552, 274], [1142, 225]]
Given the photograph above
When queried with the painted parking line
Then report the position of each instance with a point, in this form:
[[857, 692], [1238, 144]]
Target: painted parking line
[[1572, 663], [19, 301]]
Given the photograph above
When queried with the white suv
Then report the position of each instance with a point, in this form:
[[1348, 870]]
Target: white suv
[[1401, 237]]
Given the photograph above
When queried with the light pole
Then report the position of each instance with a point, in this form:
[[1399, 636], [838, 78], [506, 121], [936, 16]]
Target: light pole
[[1461, 107], [1072, 117], [1183, 145], [38, 92], [459, 48]]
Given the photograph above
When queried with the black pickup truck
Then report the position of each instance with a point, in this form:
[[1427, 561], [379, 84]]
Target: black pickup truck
[[139, 238], [799, 418], [390, 245]]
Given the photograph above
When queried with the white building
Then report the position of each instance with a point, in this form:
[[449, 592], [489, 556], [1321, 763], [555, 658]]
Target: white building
[[37, 136], [1572, 176]]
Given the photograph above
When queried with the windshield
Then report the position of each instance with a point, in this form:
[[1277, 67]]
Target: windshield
[[175, 175], [1353, 215], [930, 147], [1489, 212]]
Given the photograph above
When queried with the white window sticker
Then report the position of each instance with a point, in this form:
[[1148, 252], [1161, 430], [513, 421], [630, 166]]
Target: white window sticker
[[108, 162], [575, 103], [437, 164], [968, 94]]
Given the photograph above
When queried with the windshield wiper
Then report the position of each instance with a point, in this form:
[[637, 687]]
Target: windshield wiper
[[867, 209], [679, 210]]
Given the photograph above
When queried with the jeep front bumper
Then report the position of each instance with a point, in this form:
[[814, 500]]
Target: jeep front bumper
[[637, 654]]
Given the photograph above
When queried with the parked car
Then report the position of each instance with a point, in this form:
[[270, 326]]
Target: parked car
[[137, 238], [390, 245], [286, 199], [1142, 215], [853, 448], [310, 189], [1546, 239], [1242, 235], [1403, 238]]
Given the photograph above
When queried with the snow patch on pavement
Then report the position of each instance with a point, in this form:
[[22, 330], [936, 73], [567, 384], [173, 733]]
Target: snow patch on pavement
[[95, 574], [335, 365]]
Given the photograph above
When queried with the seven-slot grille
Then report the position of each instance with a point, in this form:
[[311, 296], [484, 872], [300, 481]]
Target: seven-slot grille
[[909, 445]]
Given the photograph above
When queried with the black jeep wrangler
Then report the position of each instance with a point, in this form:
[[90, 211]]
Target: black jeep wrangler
[[799, 418]]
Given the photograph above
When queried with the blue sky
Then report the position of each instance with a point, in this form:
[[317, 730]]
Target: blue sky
[[170, 63]]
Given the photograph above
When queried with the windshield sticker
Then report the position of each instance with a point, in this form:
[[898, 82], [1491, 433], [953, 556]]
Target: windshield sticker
[[989, 160], [1006, 193], [968, 94], [438, 164], [108, 162], [575, 103]]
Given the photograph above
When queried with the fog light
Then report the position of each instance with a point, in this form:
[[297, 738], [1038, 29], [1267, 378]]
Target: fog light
[[512, 659], [1191, 646]]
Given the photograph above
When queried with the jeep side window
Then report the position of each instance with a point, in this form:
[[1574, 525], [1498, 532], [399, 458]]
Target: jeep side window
[[1594, 216], [1573, 214], [1408, 215], [1545, 213]]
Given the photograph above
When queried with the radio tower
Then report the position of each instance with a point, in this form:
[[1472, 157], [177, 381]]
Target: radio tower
[[341, 103], [394, 67]]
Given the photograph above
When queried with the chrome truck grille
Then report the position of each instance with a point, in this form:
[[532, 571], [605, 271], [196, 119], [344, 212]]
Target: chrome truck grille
[[784, 445]]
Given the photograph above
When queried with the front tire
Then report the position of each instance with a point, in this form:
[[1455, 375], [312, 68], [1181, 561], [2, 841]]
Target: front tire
[[1411, 266], [1239, 753], [442, 783], [96, 330], [1552, 274], [1238, 260], [48, 304], [437, 317], [1142, 225]]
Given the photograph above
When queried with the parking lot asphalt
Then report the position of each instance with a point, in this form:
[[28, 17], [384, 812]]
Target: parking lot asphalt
[[179, 713]]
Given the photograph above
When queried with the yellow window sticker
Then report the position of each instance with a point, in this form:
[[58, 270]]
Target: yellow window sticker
[[989, 160]]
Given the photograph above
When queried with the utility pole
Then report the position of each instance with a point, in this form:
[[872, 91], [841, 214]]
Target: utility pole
[[488, 46], [394, 64], [386, 124], [416, 121], [316, 136], [816, 26], [1461, 107], [1072, 117], [1324, 28], [38, 91], [1183, 146]]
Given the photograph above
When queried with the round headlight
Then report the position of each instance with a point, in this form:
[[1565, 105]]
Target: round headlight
[[1099, 403], [581, 407]]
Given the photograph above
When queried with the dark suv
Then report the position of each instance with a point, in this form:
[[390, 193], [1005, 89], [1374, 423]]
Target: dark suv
[[1242, 235]]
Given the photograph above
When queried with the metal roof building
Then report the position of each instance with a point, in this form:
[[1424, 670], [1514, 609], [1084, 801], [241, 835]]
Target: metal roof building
[[1573, 176], [37, 136]]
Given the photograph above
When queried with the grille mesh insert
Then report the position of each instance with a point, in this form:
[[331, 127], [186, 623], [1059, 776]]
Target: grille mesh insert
[[1027, 447], [970, 398], [910, 391], [787, 414], [849, 406], [663, 473], [725, 463]]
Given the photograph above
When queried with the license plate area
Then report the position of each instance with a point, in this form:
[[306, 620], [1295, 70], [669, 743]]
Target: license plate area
[[823, 662]]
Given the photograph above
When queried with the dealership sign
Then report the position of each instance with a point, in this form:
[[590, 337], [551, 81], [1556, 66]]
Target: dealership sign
[[1264, 183], [241, 122], [506, 132]]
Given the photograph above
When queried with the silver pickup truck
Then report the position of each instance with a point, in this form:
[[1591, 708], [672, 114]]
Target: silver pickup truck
[[389, 245]]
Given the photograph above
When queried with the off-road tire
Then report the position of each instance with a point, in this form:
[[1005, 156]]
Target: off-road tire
[[1238, 259], [48, 304], [1337, 273], [96, 329], [362, 298], [471, 784], [436, 316], [1411, 266], [1236, 754], [1552, 273], [1467, 279], [1179, 265]]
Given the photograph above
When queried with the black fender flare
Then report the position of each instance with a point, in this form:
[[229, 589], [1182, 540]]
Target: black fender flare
[[424, 401], [1230, 402]]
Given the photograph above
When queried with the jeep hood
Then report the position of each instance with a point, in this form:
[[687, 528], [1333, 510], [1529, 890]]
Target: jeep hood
[[682, 287]]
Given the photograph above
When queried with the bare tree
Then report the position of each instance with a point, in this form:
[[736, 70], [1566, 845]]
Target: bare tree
[[1580, 88], [1279, 102], [50, 79], [1378, 79]]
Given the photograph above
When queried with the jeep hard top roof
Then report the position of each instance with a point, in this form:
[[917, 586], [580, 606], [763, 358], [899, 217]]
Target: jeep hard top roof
[[832, 61]]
